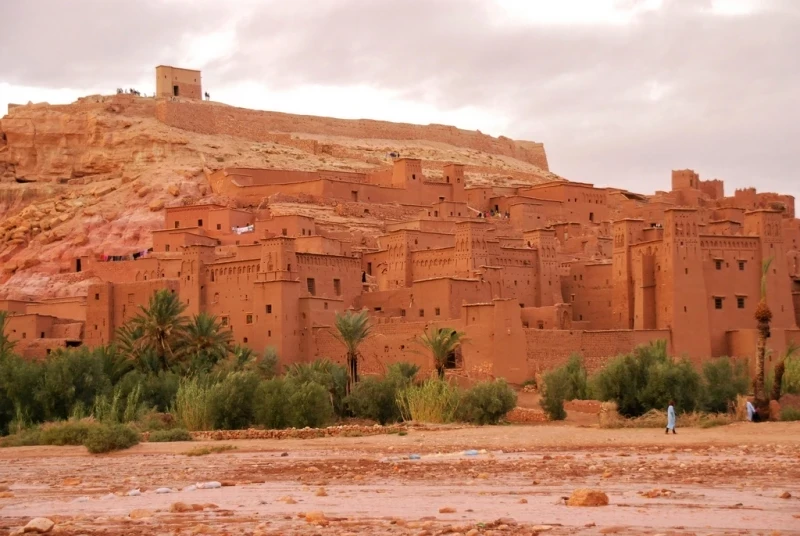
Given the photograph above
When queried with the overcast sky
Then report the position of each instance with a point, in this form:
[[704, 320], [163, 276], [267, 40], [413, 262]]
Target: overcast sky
[[619, 91]]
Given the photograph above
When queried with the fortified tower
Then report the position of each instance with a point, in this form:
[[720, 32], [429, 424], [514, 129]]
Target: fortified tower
[[275, 299], [626, 233], [193, 276], [278, 259], [407, 172], [684, 303], [398, 271], [471, 250], [454, 175], [767, 224], [544, 240]]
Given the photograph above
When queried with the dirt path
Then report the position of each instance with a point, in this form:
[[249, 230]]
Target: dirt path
[[725, 480]]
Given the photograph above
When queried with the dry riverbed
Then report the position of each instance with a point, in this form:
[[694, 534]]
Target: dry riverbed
[[737, 479]]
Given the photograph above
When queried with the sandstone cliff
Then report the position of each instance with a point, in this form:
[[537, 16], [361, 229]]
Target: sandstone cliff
[[94, 176]]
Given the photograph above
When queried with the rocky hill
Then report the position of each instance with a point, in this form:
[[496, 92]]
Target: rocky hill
[[93, 177]]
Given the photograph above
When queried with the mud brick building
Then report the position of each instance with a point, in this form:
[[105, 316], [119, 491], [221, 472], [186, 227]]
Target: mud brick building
[[532, 273]]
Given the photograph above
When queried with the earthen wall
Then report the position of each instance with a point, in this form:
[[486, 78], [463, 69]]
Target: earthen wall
[[548, 349], [210, 118]]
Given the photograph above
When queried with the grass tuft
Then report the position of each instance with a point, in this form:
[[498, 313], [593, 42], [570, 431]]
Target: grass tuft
[[204, 451]]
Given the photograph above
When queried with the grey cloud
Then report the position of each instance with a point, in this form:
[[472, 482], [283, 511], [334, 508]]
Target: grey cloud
[[93, 43], [729, 107]]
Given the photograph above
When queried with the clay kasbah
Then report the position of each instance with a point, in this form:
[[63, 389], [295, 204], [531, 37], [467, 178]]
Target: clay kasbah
[[274, 223]]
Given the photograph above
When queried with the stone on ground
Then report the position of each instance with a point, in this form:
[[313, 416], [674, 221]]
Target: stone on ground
[[587, 497]]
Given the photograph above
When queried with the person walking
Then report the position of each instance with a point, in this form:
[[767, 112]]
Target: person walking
[[752, 414], [671, 418]]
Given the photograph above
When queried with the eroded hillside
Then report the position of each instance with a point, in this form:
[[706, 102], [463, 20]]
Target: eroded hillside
[[93, 177]]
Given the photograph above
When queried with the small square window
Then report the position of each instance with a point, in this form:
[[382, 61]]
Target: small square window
[[402, 312], [717, 303], [741, 265], [718, 265], [97, 296], [244, 340], [337, 287], [422, 312], [177, 224], [312, 286], [269, 308], [248, 319], [219, 226], [284, 231], [740, 302], [437, 311], [224, 320], [269, 333], [199, 223]]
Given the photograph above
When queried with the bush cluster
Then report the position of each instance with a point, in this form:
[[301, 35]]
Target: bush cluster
[[169, 436], [110, 437], [96, 437], [645, 380]]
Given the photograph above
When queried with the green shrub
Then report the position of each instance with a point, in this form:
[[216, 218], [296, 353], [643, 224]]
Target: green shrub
[[324, 372], [578, 379], [168, 436], [268, 365], [791, 377], [433, 401], [23, 438], [110, 437], [403, 371], [233, 401], [65, 433], [19, 383], [675, 380], [194, 404], [157, 390], [70, 377], [647, 379], [563, 384], [487, 402], [271, 404], [154, 421], [376, 399], [309, 405], [790, 414], [724, 380], [555, 391]]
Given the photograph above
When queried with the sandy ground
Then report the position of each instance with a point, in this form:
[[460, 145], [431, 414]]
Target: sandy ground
[[726, 480]]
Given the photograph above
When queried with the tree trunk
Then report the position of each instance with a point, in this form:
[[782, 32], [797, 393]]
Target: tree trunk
[[352, 371], [349, 384], [440, 372], [758, 381], [780, 368]]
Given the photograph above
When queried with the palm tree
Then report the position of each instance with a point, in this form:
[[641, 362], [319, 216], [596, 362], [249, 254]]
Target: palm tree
[[763, 316], [160, 326], [6, 345], [205, 343], [780, 368], [115, 363], [351, 330], [441, 342]]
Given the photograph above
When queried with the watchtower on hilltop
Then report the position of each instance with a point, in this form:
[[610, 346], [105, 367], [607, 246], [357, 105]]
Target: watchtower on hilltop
[[177, 82]]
